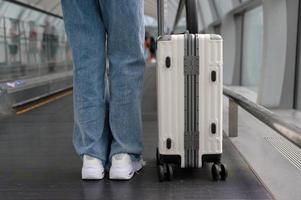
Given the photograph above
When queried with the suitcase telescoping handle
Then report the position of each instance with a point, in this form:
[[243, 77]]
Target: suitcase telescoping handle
[[160, 16], [191, 15]]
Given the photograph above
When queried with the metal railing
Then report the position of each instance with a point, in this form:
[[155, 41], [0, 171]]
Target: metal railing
[[287, 130], [29, 6]]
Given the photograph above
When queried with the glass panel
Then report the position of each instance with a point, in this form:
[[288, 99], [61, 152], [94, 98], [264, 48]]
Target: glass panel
[[252, 47], [223, 6], [200, 17], [2, 43], [206, 11], [181, 26], [13, 40], [12, 11], [31, 44], [150, 21]]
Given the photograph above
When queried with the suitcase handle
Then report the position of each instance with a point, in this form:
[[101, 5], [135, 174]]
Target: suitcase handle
[[160, 16], [191, 16]]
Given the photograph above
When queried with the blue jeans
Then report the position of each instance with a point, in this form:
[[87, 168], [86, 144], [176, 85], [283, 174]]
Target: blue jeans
[[97, 29]]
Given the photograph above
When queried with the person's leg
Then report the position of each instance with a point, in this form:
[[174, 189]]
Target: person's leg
[[124, 25], [85, 31]]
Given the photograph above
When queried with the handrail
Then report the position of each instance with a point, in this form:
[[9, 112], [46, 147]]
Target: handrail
[[287, 130], [34, 8]]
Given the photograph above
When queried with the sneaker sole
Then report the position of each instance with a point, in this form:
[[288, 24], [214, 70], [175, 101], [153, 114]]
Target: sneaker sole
[[121, 174], [125, 173], [92, 174]]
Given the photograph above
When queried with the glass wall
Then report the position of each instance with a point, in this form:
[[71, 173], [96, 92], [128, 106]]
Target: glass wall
[[207, 12], [252, 47], [181, 26], [223, 6], [31, 43]]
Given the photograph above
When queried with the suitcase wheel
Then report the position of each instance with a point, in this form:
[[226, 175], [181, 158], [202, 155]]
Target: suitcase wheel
[[224, 172], [161, 173], [219, 172], [157, 157], [169, 172], [165, 172]]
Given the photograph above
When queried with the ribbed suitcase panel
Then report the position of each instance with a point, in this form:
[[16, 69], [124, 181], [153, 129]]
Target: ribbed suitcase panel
[[210, 95], [171, 96]]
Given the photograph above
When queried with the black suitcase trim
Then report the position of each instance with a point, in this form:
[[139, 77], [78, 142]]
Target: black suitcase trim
[[211, 158]]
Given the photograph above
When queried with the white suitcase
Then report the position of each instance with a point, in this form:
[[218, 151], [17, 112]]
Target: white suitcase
[[189, 82]]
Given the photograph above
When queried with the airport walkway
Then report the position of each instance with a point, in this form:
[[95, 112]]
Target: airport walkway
[[261, 103], [38, 162]]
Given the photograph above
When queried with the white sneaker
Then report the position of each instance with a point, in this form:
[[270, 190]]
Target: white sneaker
[[92, 168], [123, 168]]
